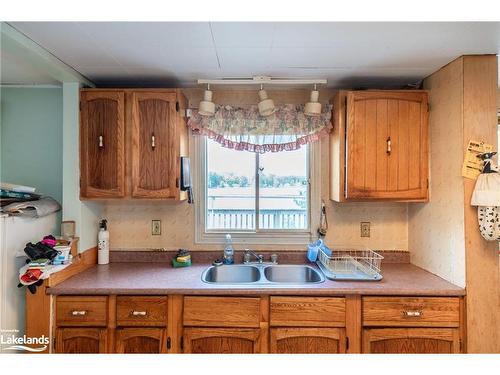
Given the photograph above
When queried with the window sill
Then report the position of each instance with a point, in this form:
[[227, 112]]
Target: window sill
[[275, 238]]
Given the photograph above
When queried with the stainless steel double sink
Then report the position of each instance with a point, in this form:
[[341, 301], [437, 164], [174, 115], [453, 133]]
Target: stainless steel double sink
[[262, 274]]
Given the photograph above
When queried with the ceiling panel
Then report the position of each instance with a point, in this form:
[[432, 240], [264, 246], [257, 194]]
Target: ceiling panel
[[67, 42], [243, 34], [374, 35], [180, 52], [159, 34], [243, 59], [178, 58]]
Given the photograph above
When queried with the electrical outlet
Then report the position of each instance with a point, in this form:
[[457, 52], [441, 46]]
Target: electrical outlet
[[156, 227], [365, 229]]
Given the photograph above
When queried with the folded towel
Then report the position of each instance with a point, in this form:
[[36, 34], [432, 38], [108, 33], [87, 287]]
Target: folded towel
[[17, 188], [39, 208], [487, 190], [486, 196]]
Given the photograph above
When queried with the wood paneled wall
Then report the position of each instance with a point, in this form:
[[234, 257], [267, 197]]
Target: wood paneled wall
[[482, 273], [463, 98]]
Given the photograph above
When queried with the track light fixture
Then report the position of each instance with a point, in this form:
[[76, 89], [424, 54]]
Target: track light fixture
[[313, 107], [266, 105], [207, 106]]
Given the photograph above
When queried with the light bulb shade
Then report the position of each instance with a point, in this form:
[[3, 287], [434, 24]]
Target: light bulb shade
[[207, 107], [266, 105], [313, 107]]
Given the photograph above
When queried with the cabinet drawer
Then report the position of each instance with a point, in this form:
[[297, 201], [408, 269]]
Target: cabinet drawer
[[411, 312], [221, 311], [81, 311], [141, 311], [307, 311]]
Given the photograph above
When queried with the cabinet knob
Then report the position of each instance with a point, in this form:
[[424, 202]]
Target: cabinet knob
[[101, 141], [139, 313], [389, 145], [79, 312], [413, 313]]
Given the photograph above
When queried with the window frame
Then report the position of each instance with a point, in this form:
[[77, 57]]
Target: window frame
[[261, 236]]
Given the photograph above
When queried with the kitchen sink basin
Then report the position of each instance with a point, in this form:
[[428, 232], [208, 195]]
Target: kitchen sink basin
[[262, 274], [233, 274], [296, 274]]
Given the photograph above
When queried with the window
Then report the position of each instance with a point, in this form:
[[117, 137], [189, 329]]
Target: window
[[260, 198]]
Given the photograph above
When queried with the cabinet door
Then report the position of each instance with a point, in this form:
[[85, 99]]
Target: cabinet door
[[221, 340], [102, 144], [153, 145], [140, 340], [411, 340], [387, 145], [81, 340], [308, 340]]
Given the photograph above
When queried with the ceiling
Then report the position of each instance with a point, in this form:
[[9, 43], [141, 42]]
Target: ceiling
[[177, 53]]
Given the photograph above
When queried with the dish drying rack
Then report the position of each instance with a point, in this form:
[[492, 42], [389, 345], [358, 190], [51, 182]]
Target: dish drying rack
[[350, 265]]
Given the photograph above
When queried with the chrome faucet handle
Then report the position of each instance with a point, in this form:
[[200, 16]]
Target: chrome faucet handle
[[274, 258], [248, 253]]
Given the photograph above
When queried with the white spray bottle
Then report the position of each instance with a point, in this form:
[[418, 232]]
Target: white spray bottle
[[103, 243]]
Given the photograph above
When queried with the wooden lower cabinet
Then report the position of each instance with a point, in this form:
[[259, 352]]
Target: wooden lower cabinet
[[221, 340], [81, 340], [411, 340], [258, 324], [307, 340], [141, 340]]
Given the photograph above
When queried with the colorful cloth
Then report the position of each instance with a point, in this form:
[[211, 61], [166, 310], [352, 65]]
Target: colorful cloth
[[245, 129]]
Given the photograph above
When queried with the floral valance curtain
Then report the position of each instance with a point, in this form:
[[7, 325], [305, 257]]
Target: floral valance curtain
[[245, 129]]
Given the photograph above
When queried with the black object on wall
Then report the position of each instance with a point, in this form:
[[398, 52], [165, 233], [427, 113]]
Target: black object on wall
[[186, 183]]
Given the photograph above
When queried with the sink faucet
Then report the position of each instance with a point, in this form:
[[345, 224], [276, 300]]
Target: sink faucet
[[249, 253]]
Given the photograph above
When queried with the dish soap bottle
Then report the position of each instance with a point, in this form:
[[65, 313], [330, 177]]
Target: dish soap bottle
[[103, 243], [228, 250]]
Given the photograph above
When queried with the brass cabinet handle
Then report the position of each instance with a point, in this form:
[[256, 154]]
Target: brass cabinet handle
[[153, 144], [413, 313], [389, 146], [79, 312], [139, 313], [101, 141]]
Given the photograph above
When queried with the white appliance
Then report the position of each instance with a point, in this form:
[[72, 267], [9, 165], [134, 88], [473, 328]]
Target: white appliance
[[15, 232]]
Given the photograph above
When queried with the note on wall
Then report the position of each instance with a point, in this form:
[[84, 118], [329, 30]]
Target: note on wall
[[473, 166]]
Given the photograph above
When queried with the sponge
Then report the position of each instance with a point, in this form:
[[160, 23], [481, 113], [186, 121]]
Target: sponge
[[177, 264]]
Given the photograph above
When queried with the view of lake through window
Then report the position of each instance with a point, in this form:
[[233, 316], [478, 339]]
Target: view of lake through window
[[250, 192]]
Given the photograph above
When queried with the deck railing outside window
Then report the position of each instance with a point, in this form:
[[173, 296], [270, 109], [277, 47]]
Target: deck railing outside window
[[237, 218]]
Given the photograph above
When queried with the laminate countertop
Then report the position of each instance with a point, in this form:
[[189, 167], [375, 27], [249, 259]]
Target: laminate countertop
[[161, 279]]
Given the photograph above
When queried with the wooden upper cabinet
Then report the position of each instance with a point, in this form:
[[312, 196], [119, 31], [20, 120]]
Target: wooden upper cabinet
[[379, 146], [153, 145], [131, 143], [102, 144]]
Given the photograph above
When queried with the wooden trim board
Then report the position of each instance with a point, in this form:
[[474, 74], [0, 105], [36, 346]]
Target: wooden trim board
[[39, 306], [480, 86]]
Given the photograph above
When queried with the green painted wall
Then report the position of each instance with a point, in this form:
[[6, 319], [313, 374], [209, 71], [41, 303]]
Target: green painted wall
[[31, 138]]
